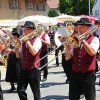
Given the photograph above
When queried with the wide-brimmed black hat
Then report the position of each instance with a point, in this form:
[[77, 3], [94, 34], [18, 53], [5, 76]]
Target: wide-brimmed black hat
[[97, 21], [29, 24], [83, 21], [15, 32]]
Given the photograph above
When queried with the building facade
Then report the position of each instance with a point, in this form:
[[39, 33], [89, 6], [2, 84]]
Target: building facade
[[17, 9], [96, 9]]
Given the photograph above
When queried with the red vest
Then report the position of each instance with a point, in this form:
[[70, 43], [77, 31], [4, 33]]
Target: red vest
[[28, 60], [44, 46], [82, 61]]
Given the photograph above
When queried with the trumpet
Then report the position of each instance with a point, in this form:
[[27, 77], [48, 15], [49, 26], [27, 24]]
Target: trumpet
[[68, 41]]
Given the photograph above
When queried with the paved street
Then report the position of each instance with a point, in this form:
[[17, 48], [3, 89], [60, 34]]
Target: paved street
[[53, 89]]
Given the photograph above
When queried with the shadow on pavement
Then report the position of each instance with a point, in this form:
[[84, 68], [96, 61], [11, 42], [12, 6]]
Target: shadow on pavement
[[55, 97], [48, 84], [5, 91], [2, 80], [61, 72]]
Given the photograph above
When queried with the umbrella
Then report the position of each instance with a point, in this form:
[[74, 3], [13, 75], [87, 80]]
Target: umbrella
[[38, 19], [67, 18], [91, 18]]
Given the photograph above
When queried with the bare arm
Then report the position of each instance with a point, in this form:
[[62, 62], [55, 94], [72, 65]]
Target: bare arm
[[31, 49], [46, 43], [88, 48]]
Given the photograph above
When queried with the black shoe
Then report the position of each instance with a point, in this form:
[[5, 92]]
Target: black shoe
[[44, 79], [57, 65], [11, 90], [67, 81]]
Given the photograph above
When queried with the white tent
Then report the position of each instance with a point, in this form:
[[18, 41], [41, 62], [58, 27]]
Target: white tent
[[38, 19], [4, 23], [67, 18]]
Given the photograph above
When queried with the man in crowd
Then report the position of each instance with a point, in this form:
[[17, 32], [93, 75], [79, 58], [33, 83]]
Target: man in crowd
[[44, 51], [84, 63], [29, 72]]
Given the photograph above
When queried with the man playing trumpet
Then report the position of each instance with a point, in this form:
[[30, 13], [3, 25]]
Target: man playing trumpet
[[84, 63]]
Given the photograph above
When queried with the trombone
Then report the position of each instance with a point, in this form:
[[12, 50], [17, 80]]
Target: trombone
[[37, 32], [8, 39], [69, 40]]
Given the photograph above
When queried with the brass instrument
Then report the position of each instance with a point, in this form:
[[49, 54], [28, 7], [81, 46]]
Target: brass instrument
[[68, 41], [17, 42], [40, 28], [78, 37]]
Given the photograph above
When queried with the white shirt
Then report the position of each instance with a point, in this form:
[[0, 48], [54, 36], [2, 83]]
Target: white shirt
[[57, 41], [47, 38], [37, 44], [95, 44]]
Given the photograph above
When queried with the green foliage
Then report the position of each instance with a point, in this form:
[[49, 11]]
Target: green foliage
[[53, 13], [65, 6], [75, 7]]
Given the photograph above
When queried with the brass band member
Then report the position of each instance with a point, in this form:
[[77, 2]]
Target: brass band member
[[30, 55], [11, 72], [45, 43], [84, 64]]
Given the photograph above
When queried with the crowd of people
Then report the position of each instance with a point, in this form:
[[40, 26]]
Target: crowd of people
[[79, 58]]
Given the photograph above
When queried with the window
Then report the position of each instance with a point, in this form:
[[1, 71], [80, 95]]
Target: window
[[96, 13], [13, 4], [29, 5], [40, 7]]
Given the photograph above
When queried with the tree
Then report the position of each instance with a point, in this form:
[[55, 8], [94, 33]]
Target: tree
[[53, 13], [75, 7], [65, 6]]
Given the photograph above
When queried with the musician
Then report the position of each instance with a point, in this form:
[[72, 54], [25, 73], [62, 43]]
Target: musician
[[58, 44], [1, 92], [11, 72], [44, 51], [97, 33], [84, 63], [30, 55]]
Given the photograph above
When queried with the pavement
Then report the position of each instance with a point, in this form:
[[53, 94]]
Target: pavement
[[54, 88]]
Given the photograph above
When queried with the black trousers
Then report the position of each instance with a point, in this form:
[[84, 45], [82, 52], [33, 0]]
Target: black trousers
[[31, 77], [67, 66], [1, 94], [82, 83], [57, 52], [43, 62]]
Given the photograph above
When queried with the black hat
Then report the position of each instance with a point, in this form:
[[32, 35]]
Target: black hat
[[15, 32], [83, 21], [29, 24], [97, 21]]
